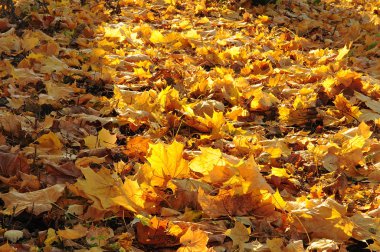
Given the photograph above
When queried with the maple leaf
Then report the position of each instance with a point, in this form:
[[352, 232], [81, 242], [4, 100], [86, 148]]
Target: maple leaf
[[226, 203], [278, 201], [249, 178], [131, 197], [349, 111], [137, 147], [49, 143], [11, 163], [275, 244], [103, 139], [169, 99], [193, 241], [78, 231], [100, 187], [166, 162], [325, 219], [343, 52], [206, 162], [34, 202], [154, 231], [262, 100], [157, 37], [239, 234]]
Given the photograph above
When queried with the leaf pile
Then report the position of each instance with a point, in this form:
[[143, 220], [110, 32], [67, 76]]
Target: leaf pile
[[200, 125]]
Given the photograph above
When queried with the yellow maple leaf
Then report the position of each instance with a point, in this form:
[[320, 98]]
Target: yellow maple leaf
[[157, 37], [167, 162], [346, 108], [278, 201], [279, 172], [352, 144], [49, 143], [318, 217], [193, 241], [284, 113], [216, 122], [342, 52], [192, 34], [141, 73], [347, 77], [262, 100], [169, 99], [131, 197], [103, 139], [51, 237], [275, 244], [239, 234], [250, 174], [206, 162], [100, 187], [172, 2]]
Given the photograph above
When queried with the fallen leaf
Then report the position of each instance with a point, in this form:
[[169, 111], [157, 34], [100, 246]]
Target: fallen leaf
[[193, 241], [33, 202], [6, 247], [167, 162], [49, 143], [78, 231], [11, 163], [100, 187], [103, 139], [99, 236], [239, 234]]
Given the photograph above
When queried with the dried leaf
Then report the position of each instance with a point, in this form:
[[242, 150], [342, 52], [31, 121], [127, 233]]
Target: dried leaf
[[103, 139], [34, 202], [239, 234], [78, 231]]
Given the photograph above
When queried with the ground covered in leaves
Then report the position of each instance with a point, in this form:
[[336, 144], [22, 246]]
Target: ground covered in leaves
[[167, 125]]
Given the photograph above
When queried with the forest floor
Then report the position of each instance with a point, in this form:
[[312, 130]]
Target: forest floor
[[166, 125]]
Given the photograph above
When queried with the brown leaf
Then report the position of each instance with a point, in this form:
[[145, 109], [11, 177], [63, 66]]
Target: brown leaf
[[156, 233], [11, 163], [98, 236], [34, 202], [225, 203]]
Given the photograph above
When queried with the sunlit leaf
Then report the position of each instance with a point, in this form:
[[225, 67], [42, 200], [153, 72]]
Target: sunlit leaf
[[193, 241], [167, 162]]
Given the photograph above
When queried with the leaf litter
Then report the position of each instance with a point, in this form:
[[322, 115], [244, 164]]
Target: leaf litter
[[167, 125]]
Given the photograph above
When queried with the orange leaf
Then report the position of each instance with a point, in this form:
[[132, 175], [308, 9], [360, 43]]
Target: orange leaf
[[193, 241], [78, 231]]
